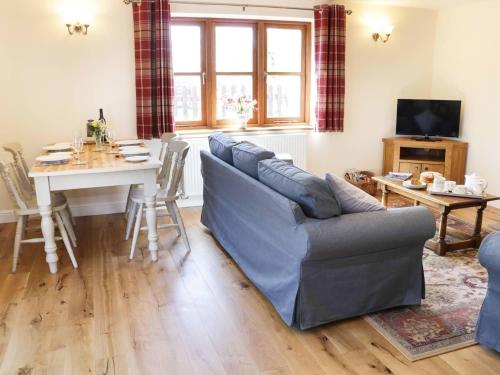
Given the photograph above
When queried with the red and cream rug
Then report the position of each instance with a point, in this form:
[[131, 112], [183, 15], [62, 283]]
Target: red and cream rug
[[446, 320]]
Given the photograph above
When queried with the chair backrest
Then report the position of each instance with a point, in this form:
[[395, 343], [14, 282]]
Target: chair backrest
[[9, 175], [166, 138], [20, 164], [173, 165]]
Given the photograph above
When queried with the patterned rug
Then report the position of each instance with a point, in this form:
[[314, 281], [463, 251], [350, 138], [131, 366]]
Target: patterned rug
[[446, 320]]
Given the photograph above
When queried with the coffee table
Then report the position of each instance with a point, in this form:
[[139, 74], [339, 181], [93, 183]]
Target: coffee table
[[445, 204]]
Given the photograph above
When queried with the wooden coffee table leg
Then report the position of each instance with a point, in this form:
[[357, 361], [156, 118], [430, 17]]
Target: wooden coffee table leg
[[479, 223], [442, 245], [385, 195]]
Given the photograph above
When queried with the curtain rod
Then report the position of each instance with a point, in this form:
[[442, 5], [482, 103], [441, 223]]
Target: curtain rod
[[244, 6]]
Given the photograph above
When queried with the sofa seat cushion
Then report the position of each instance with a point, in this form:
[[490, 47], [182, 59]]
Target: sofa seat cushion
[[246, 157], [352, 199], [221, 146], [311, 193]]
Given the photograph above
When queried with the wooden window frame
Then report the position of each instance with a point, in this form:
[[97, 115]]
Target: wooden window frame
[[259, 74], [202, 74]]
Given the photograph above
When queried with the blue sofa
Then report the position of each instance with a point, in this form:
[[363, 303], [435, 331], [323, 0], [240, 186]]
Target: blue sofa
[[314, 271], [488, 325]]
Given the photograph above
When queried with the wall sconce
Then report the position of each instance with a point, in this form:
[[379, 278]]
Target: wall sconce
[[77, 28], [383, 33]]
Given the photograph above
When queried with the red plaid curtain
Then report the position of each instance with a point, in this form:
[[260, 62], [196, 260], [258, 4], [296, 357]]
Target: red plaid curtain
[[329, 44], [154, 75]]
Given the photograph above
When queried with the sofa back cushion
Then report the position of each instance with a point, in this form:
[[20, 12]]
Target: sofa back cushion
[[311, 193], [246, 157], [352, 199], [221, 146]]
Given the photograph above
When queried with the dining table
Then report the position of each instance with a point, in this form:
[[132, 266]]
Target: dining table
[[101, 168]]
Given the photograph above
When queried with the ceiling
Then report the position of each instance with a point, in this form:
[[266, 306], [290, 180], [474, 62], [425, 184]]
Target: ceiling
[[419, 3]]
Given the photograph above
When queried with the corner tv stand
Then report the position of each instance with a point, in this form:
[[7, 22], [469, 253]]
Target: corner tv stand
[[445, 156]]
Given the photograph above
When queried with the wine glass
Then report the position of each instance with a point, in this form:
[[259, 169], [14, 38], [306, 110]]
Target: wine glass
[[110, 135], [77, 145]]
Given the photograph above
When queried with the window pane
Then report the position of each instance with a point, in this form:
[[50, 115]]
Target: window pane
[[283, 96], [187, 98], [284, 50], [234, 49], [231, 87], [186, 48]]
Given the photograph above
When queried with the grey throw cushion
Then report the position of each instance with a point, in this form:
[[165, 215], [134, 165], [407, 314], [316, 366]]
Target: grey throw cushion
[[221, 146], [351, 198], [246, 156], [311, 193]]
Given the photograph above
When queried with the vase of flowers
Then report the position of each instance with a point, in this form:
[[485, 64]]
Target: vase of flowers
[[243, 108], [98, 129]]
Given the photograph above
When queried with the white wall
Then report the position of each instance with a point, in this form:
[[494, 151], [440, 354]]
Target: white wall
[[376, 75], [52, 82], [467, 67]]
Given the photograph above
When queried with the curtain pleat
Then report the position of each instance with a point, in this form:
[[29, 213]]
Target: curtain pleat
[[329, 54], [154, 74]]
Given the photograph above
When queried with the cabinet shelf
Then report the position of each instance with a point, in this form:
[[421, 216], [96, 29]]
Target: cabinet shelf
[[408, 155]]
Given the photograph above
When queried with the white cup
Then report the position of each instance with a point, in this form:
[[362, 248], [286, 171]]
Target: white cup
[[460, 189], [438, 184], [449, 185]]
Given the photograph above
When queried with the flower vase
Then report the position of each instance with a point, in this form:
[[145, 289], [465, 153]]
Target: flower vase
[[98, 142], [242, 121]]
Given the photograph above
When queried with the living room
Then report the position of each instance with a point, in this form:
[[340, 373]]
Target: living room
[[129, 294]]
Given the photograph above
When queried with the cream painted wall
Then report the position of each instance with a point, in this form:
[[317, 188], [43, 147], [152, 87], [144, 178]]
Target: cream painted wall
[[467, 67], [52, 82], [376, 75]]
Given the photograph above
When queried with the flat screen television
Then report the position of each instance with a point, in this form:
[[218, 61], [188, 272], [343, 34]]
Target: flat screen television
[[428, 118]]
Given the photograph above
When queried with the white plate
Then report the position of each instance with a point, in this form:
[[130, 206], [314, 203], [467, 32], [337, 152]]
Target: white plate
[[129, 142], [58, 157], [136, 159], [409, 185], [131, 151], [58, 147]]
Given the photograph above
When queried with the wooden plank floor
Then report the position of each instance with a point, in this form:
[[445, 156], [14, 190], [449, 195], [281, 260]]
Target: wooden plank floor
[[182, 315]]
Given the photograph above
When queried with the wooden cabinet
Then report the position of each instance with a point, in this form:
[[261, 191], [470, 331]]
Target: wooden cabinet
[[447, 157]]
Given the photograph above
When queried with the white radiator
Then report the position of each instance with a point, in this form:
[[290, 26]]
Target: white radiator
[[294, 144]]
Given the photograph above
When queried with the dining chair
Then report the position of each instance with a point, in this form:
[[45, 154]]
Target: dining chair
[[164, 139], [25, 206], [169, 179], [22, 171]]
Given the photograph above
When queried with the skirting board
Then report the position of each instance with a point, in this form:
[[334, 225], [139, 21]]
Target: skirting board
[[91, 209]]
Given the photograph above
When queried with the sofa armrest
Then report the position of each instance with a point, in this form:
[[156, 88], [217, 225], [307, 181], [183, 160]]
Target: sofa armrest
[[369, 232], [489, 252]]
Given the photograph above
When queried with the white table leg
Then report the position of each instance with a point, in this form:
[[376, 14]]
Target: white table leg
[[44, 204], [150, 195]]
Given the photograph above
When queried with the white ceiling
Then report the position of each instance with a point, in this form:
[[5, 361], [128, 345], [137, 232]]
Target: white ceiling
[[419, 3]]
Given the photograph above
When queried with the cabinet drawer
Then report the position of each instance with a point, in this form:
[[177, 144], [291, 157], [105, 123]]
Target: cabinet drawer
[[433, 168], [413, 168]]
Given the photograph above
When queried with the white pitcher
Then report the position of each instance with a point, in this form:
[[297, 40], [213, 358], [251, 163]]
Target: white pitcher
[[475, 184]]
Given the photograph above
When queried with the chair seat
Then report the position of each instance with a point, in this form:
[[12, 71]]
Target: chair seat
[[58, 203]]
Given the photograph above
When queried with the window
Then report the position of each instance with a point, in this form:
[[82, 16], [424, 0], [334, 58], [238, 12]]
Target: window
[[216, 59]]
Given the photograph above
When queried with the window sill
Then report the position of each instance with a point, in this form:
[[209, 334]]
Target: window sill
[[250, 130]]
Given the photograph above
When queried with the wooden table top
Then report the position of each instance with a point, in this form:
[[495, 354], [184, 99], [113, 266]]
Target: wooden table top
[[440, 200], [97, 162]]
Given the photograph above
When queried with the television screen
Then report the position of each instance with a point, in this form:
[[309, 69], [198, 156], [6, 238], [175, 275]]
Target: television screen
[[429, 118]]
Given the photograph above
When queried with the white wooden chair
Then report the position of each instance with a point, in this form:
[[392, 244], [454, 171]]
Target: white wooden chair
[[165, 139], [22, 171], [169, 179], [25, 206]]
